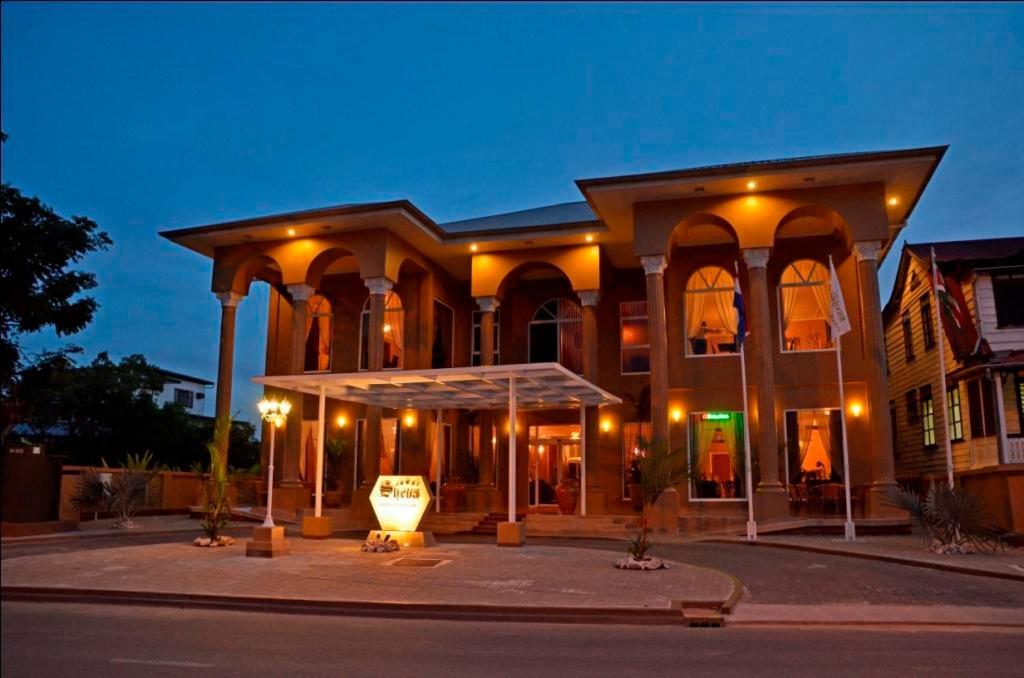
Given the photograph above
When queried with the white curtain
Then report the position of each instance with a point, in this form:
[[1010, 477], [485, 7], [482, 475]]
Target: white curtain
[[705, 437], [389, 437], [726, 311], [694, 312]]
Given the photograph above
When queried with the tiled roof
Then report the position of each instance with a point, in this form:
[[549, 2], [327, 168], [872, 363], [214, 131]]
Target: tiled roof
[[549, 215], [970, 250]]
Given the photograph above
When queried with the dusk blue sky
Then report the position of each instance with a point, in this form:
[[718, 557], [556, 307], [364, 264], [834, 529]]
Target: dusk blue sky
[[155, 117]]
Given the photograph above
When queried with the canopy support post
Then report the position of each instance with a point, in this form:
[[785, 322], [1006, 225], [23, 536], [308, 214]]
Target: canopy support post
[[512, 449]]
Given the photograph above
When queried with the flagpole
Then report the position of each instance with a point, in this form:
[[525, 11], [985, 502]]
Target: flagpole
[[942, 370], [850, 530], [751, 523]]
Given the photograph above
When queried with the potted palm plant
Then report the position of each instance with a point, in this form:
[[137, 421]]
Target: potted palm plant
[[567, 494], [336, 449], [660, 469]]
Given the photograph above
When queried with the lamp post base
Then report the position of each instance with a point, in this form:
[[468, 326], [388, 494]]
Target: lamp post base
[[267, 542]]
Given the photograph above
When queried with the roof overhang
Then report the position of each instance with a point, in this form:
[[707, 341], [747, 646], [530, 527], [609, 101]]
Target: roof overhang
[[539, 386], [905, 174]]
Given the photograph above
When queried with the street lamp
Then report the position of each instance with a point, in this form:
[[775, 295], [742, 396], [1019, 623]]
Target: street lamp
[[274, 413]]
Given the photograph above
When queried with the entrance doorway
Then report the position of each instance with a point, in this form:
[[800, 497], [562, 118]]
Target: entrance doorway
[[555, 455]]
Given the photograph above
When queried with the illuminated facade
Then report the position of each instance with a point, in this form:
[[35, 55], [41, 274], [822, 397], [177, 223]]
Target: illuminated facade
[[631, 288]]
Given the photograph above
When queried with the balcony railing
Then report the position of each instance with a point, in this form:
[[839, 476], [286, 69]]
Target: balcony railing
[[1015, 450]]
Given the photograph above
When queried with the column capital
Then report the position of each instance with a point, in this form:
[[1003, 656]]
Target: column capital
[[654, 264], [488, 304], [756, 257], [589, 297], [230, 298], [300, 292], [380, 285], [867, 250]]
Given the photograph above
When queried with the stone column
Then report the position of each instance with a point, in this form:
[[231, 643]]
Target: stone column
[[880, 428], [488, 305], [379, 288], [300, 294], [654, 267], [225, 363], [770, 497], [595, 495]]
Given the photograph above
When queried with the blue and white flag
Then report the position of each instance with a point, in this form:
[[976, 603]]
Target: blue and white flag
[[741, 313]]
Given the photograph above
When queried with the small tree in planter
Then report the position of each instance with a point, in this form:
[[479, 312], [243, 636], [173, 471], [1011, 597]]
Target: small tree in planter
[[567, 494], [337, 449], [215, 481], [660, 469]]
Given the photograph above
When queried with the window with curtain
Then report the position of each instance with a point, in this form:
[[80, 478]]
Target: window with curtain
[[633, 432], [394, 333], [927, 407], [716, 456], [814, 446], [476, 337], [804, 302], [711, 322], [556, 334], [908, 336], [927, 328], [954, 414], [635, 343], [319, 334]]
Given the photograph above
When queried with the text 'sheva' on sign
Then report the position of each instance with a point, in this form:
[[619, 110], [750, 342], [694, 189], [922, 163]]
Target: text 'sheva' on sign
[[399, 502]]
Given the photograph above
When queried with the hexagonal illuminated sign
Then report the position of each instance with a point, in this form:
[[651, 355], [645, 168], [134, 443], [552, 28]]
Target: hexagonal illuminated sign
[[399, 502]]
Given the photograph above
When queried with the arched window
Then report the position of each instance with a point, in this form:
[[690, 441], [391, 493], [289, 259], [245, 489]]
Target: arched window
[[319, 334], [804, 303], [394, 333], [711, 322], [556, 334]]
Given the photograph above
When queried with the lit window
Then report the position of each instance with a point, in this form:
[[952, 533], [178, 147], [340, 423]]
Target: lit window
[[711, 322], [814, 446], [716, 456], [319, 330], [927, 408], [954, 413], [804, 303], [635, 343], [394, 335], [556, 334]]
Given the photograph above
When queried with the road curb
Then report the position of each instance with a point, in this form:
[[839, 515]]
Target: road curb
[[876, 557], [547, 615], [113, 534]]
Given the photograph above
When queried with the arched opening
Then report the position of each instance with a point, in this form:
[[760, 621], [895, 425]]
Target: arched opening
[[332, 261], [256, 267], [810, 221], [556, 334], [702, 230], [804, 303], [394, 333], [710, 317], [319, 334]]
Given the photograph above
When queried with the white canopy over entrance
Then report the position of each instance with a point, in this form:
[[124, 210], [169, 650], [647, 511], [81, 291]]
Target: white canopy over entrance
[[533, 386]]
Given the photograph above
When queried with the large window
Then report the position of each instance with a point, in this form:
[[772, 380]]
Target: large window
[[981, 409], [1008, 289], [927, 328], [908, 336], [476, 337], [394, 334], [716, 456], [556, 334], [635, 342], [927, 407], [814, 446], [710, 316], [319, 330], [804, 303], [634, 434], [954, 414]]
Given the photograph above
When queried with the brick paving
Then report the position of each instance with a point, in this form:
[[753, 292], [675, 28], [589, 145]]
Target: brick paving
[[335, 569]]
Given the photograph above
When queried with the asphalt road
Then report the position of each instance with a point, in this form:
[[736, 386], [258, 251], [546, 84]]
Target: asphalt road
[[83, 640]]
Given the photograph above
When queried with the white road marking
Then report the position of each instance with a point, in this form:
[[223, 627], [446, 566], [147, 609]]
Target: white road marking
[[159, 662]]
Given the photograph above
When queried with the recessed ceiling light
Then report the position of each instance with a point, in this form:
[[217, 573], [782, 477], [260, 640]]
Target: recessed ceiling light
[[808, 179], [894, 201], [699, 189], [590, 238], [291, 231], [751, 185], [473, 247]]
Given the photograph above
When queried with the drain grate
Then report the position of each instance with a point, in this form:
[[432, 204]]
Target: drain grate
[[416, 562]]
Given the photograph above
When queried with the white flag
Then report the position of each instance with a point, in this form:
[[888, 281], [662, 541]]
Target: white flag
[[839, 320]]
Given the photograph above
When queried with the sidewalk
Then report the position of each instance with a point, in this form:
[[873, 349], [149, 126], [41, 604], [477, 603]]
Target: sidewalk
[[748, 614], [906, 549], [462, 576]]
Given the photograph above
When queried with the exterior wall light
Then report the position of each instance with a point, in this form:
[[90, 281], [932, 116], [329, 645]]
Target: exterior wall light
[[590, 237], [606, 425], [751, 185], [291, 232], [893, 201], [342, 421], [409, 419], [677, 414], [473, 247], [856, 409]]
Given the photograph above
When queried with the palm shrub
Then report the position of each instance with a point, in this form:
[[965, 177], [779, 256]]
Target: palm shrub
[[660, 468], [215, 482], [129, 488], [951, 520], [92, 495]]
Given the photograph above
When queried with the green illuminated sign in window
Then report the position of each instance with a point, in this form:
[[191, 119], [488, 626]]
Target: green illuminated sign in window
[[716, 416]]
